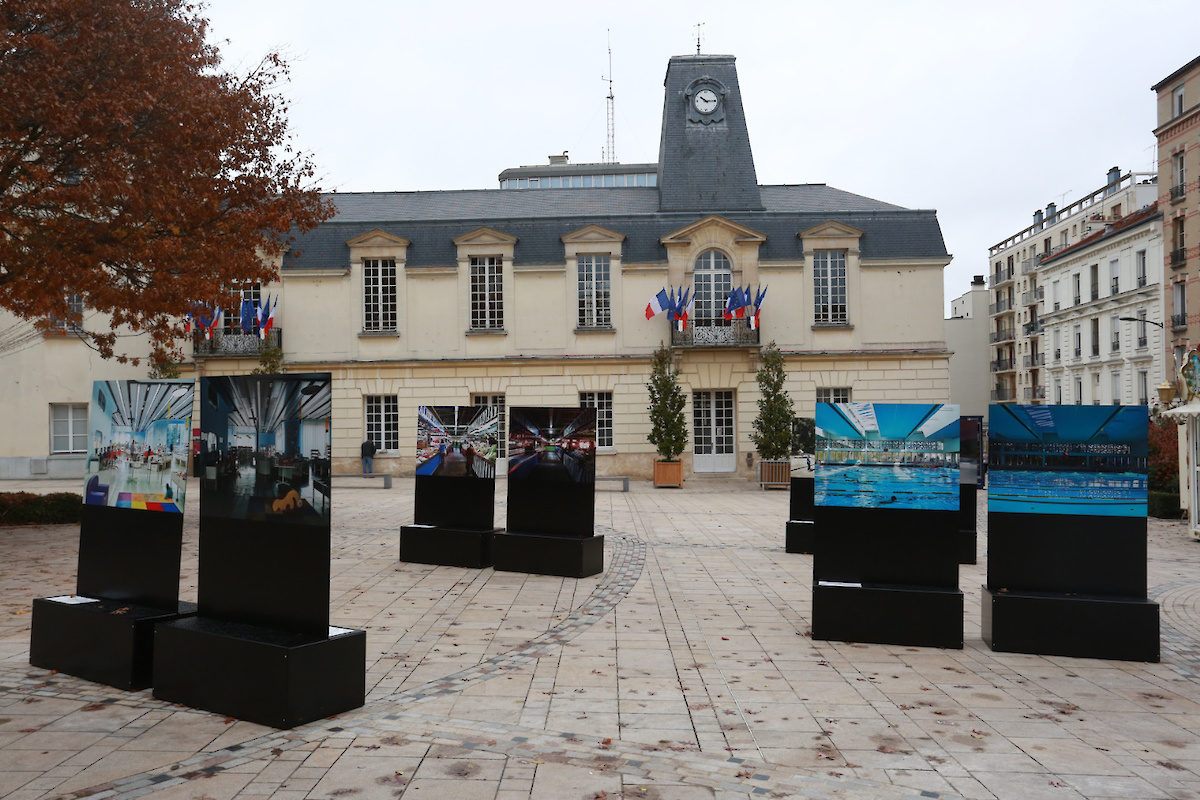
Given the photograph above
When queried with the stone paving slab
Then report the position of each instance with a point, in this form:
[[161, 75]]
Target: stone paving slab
[[685, 671]]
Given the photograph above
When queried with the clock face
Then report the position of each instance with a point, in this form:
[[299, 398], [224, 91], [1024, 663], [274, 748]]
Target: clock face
[[705, 101]]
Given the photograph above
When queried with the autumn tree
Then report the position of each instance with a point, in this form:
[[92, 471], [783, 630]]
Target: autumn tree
[[136, 173]]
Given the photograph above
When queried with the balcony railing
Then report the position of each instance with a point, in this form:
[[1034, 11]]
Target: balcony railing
[[1116, 286], [1035, 392], [1179, 321], [236, 345], [1116, 345], [1002, 365], [1058, 354], [1142, 342], [1095, 348], [1028, 265], [1002, 336], [1002, 276], [1178, 191], [1141, 281], [1035, 360], [1178, 257], [1095, 292], [999, 307], [735, 334], [1003, 395], [1032, 298], [1033, 328], [1078, 353]]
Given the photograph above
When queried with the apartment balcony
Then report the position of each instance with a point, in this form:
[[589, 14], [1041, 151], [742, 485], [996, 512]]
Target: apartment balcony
[[1032, 298], [1028, 265], [1035, 392], [1006, 335], [999, 307], [1003, 395], [236, 345], [1141, 281], [1178, 191], [1002, 276], [1002, 365], [734, 334], [1142, 342], [1035, 360], [1033, 328], [1178, 257], [1058, 354], [1178, 321]]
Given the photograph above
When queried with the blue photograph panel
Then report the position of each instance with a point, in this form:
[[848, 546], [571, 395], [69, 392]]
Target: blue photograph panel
[[1089, 460], [888, 455], [458, 441], [140, 431]]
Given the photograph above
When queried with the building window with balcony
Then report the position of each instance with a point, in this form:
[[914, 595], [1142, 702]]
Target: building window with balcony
[[1115, 327], [1078, 391], [1094, 274], [487, 293], [1139, 267], [603, 403], [1078, 341], [1095, 326], [595, 292], [379, 294], [1178, 243], [1114, 270], [495, 401], [1057, 392], [1054, 294], [1141, 328], [68, 427], [1143, 383], [1057, 344], [829, 287], [837, 394], [1178, 176], [1116, 388], [1076, 288], [232, 318], [1179, 306], [383, 421]]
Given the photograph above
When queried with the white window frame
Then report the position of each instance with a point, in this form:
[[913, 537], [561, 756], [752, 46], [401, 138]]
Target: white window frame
[[833, 394], [68, 428], [594, 290], [231, 319], [1143, 387], [487, 293], [1115, 343], [379, 294], [1139, 267], [496, 401], [603, 403], [74, 309], [829, 287], [381, 418]]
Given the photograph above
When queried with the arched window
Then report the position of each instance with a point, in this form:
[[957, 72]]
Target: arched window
[[712, 282]]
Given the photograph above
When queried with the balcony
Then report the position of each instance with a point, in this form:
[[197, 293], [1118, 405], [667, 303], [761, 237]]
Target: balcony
[[1003, 395], [1002, 365], [1077, 300], [1002, 276], [1178, 257], [1028, 265], [1116, 345], [1095, 291], [1035, 392], [733, 334], [1005, 335], [1035, 360], [1178, 321], [1141, 281], [1078, 353], [236, 345], [1142, 342], [1058, 354], [1033, 328], [999, 307], [1032, 298], [1177, 192]]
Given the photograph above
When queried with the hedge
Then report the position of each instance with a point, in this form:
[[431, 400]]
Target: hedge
[[26, 508], [1164, 505]]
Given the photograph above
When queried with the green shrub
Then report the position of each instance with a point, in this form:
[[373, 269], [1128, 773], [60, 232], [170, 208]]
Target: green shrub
[[1164, 505], [26, 508]]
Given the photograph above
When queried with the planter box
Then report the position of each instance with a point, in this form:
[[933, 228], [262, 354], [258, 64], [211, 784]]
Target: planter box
[[668, 473], [775, 474]]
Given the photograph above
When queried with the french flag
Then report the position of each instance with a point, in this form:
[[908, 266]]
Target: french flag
[[659, 303], [265, 327]]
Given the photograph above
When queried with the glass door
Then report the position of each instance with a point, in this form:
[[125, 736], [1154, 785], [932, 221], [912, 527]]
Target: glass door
[[712, 432]]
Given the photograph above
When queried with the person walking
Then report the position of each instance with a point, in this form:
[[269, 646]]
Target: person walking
[[368, 456]]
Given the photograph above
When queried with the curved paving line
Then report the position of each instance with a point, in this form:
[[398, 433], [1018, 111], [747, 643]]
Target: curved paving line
[[1180, 644], [626, 559]]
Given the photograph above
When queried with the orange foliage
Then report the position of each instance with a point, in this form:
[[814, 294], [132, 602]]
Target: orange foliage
[[134, 171]]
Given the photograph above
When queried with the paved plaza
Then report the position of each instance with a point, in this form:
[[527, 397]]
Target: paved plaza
[[686, 671]]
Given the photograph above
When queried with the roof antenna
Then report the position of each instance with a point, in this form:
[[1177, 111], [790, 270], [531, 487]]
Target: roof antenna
[[698, 24], [609, 156]]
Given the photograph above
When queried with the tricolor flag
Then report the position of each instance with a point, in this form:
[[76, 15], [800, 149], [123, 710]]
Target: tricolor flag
[[752, 321], [682, 308], [209, 322], [735, 305], [265, 328], [659, 303]]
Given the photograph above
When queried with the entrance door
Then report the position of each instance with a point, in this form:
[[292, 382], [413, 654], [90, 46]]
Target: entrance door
[[712, 432]]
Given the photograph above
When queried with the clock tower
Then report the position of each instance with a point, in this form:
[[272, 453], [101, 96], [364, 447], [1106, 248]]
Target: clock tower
[[704, 158]]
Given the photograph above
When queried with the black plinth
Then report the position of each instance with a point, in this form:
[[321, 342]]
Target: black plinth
[[105, 641], [883, 614], [261, 675], [451, 547], [801, 536], [967, 524], [1082, 626], [802, 498], [539, 554]]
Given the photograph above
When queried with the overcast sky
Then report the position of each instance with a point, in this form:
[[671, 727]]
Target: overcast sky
[[982, 111]]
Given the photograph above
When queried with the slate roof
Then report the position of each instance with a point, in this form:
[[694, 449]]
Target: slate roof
[[539, 217]]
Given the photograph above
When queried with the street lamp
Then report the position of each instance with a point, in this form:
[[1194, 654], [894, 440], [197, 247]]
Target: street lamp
[[1166, 392]]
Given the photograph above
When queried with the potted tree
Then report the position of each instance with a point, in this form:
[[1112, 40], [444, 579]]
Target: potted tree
[[772, 434], [668, 428]]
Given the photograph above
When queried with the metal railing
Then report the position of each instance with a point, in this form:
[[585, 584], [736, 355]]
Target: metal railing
[[1035, 360], [1002, 395], [1032, 297], [1116, 286], [1033, 328], [1178, 257], [1001, 365], [1002, 335], [1179, 320], [1035, 392], [736, 334], [236, 345], [999, 307], [1002, 275], [1178, 191]]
